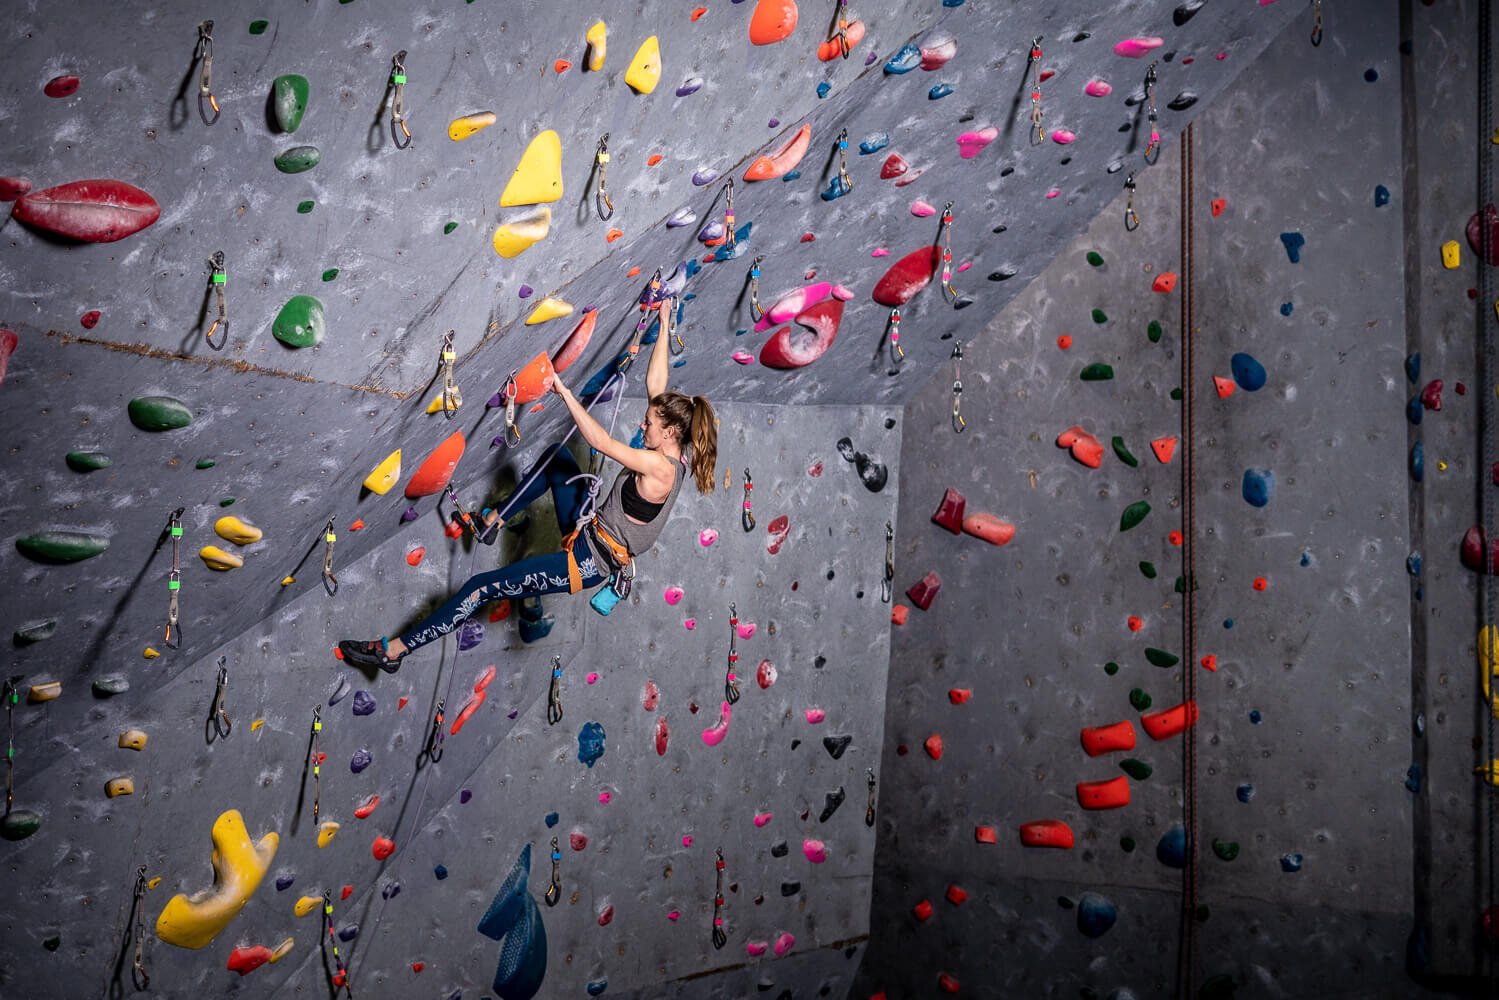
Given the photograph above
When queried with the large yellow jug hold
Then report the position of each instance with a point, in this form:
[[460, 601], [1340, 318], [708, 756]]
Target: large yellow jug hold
[[645, 69], [232, 529], [216, 558], [386, 474], [238, 866], [515, 238], [597, 38], [538, 176]]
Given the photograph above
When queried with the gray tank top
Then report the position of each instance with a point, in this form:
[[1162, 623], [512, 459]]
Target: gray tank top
[[638, 538]]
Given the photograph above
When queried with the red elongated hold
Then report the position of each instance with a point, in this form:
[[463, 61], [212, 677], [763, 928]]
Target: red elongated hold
[[779, 528], [573, 347], [1046, 833], [663, 735], [898, 614], [1109, 794], [894, 166], [1107, 739], [783, 160], [1431, 396], [93, 211], [1218, 205], [1471, 550], [959, 695], [773, 21], [247, 960], [484, 679], [363, 812], [468, 712], [1164, 282], [12, 188], [606, 915], [985, 835], [62, 86], [933, 746], [382, 848], [501, 611], [948, 984], [922, 911], [1164, 448], [956, 895], [1170, 721], [434, 474], [652, 696], [785, 350], [8, 344], [950, 511], [990, 528], [414, 557], [1084, 446], [1225, 386], [577, 840], [906, 277], [924, 590]]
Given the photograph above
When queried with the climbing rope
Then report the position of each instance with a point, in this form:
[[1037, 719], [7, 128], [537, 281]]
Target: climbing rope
[[451, 397], [330, 582], [138, 973], [554, 888], [958, 423], [1317, 26], [203, 53], [173, 637], [341, 976], [1038, 133], [216, 282], [398, 100], [730, 681], [1131, 220], [219, 725], [949, 293], [888, 582], [554, 692], [747, 518], [754, 289], [12, 696], [601, 199], [1153, 147], [720, 937]]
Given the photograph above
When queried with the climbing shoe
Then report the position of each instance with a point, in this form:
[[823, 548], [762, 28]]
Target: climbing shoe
[[370, 654]]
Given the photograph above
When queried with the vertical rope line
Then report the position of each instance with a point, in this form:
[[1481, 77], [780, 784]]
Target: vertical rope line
[[1187, 967], [1484, 324]]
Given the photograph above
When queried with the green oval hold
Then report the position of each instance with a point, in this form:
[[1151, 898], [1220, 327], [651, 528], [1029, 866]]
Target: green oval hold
[[1127, 843], [37, 631], [258, 27], [1097, 372], [58, 547], [1153, 331], [300, 322], [159, 413], [108, 687], [88, 461], [1161, 658], [206, 463], [1095, 258], [305, 207], [1111, 668], [1125, 455], [297, 159], [1100, 317], [289, 101], [1133, 514], [449, 228], [19, 824], [1147, 569], [330, 274], [1226, 850], [1137, 769], [1139, 699]]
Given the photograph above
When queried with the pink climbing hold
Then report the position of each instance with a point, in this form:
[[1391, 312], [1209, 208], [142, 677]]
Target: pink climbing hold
[[787, 306], [707, 537], [12, 188], [779, 528], [762, 818], [1136, 48], [1107, 739], [673, 595], [690, 624], [1098, 88], [922, 209], [924, 590], [971, 144], [823, 319], [949, 513], [742, 357], [663, 735], [843, 294], [765, 674], [687, 840], [906, 277], [937, 55], [746, 630], [879, 252], [815, 850], [673, 915], [8, 343], [714, 734], [1084, 446], [814, 716], [1063, 137], [593, 677], [1431, 396], [605, 797], [787, 940], [754, 949], [989, 527]]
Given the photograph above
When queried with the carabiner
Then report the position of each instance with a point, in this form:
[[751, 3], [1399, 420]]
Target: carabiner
[[204, 53], [398, 100], [601, 200]]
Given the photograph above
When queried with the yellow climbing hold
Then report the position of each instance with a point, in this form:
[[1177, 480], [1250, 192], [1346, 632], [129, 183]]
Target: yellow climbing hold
[[306, 905], [325, 832], [279, 952], [154, 882], [287, 581], [1488, 770], [232, 529], [216, 558], [515, 238], [461, 128], [46, 691], [548, 308], [645, 69], [115, 787], [436, 406], [386, 475], [1452, 255], [597, 39], [238, 866], [538, 176], [255, 726], [132, 739], [1488, 663], [150, 653]]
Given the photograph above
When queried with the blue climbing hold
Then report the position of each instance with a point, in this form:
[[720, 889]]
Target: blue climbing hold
[[1418, 462], [638, 440], [1248, 372], [1381, 196], [513, 918], [874, 143], [597, 987], [741, 243], [837, 188], [1291, 863], [1255, 718], [1371, 74], [1294, 242], [1228, 623], [1245, 792], [1095, 915], [790, 176], [1413, 366], [364, 703], [533, 623], [551, 820], [1306, 557], [361, 759], [907, 59], [348, 932], [390, 890], [1259, 486], [1414, 410], [1286, 308], [283, 882], [441, 871], [693, 267], [1171, 849], [938, 92], [1413, 564], [1413, 778], [590, 743], [823, 89], [952, 3]]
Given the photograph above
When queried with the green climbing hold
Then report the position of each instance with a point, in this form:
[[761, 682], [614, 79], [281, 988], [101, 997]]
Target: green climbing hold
[[37, 631], [258, 27], [1147, 569], [1111, 668], [1097, 372], [1133, 514], [1137, 769], [59, 547], [330, 274], [1176, 394], [1139, 699], [1100, 317], [52, 943], [298, 159], [108, 687], [1124, 453], [1160, 657], [1181, 584], [1095, 258], [159, 413], [19, 824], [449, 228], [300, 322], [1226, 850], [1127, 843], [1154, 331], [88, 461], [304, 207], [289, 101], [206, 463], [226, 502]]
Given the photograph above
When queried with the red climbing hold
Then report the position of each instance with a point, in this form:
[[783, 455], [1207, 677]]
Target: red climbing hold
[[894, 166], [577, 341], [484, 679], [1431, 396], [959, 696], [948, 984], [468, 712], [418, 966], [1170, 721], [577, 840], [1225, 386], [950, 511], [436, 472], [90, 319], [652, 696], [1164, 282], [985, 835], [990, 528], [247, 960], [933, 746], [1084, 446], [61, 86], [358, 524], [1164, 448], [924, 590], [783, 160], [822, 319], [1210, 662], [1111, 794], [1218, 205], [906, 277], [454, 528], [93, 211], [1046, 833], [779, 528], [606, 915], [414, 557], [12, 188], [1136, 623], [363, 812], [382, 848], [1107, 739], [347, 891], [956, 895], [663, 736], [923, 910], [898, 614], [1475, 233], [773, 21], [1472, 548], [561, 66]]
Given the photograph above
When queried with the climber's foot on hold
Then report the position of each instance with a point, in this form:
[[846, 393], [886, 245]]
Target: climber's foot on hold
[[372, 653]]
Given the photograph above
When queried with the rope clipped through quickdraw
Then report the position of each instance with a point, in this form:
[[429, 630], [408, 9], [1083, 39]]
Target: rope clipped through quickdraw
[[887, 584], [554, 692], [869, 811], [728, 215], [958, 423], [219, 724], [1131, 220], [897, 354], [1316, 23], [452, 398], [720, 937], [315, 756], [747, 519], [754, 289], [12, 695], [949, 293], [730, 681], [138, 973], [398, 100], [554, 888], [341, 975], [1038, 132], [1153, 147], [330, 582], [840, 29], [173, 636], [216, 282], [203, 53], [465, 517], [432, 751], [601, 199]]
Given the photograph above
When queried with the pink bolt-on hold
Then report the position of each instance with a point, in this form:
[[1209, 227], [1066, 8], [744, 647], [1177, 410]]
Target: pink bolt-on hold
[[815, 850], [674, 915], [815, 716], [922, 209], [784, 944], [714, 735], [1063, 137], [742, 357], [690, 624], [1135, 48], [687, 840], [756, 948], [745, 629], [673, 595], [592, 677], [762, 818], [606, 797], [1098, 88], [707, 537], [971, 144]]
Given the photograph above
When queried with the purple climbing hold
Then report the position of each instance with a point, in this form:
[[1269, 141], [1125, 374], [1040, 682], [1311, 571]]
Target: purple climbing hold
[[464, 796], [683, 216], [773, 123], [348, 932], [526, 291], [362, 759], [410, 514], [712, 232], [364, 703], [690, 86], [392, 888], [283, 882], [707, 175], [470, 634]]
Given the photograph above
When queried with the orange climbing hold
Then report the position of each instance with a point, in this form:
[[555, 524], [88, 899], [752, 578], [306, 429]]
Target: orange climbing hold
[[783, 160], [1085, 447], [948, 984], [562, 66], [1210, 662], [653, 159], [773, 21], [1111, 794], [535, 380], [577, 341], [1164, 448], [833, 48], [1225, 386], [1064, 342], [958, 696], [985, 835], [1260, 583], [1164, 282], [698, 12], [933, 746], [989, 528], [613, 234], [436, 472], [357, 525], [898, 614], [633, 272], [1046, 833], [468, 712], [414, 557], [1170, 721], [1135, 623], [1107, 739]]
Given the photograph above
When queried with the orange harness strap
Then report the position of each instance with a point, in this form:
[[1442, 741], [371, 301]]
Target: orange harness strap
[[617, 550]]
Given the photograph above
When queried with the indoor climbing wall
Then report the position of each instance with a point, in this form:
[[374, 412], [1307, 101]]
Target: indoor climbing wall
[[1036, 717]]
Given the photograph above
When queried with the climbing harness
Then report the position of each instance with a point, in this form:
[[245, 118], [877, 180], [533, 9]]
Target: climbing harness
[[1038, 133], [398, 100], [432, 751], [138, 973], [731, 682], [216, 282], [958, 423], [554, 692], [1316, 23], [173, 637], [451, 397], [1131, 220], [315, 756], [949, 293], [754, 289], [887, 584], [728, 215], [601, 199], [219, 725], [554, 889], [1153, 147], [840, 31], [720, 938], [897, 355], [204, 53], [341, 977], [869, 812], [747, 519], [12, 696], [330, 582]]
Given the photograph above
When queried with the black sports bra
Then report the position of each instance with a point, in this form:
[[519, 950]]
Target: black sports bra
[[635, 505]]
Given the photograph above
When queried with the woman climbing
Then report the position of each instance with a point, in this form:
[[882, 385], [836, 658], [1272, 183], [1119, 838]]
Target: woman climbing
[[680, 436]]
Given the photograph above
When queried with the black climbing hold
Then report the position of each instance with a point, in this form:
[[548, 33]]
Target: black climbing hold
[[1182, 101], [1183, 14], [779, 849], [846, 448], [836, 745], [790, 888], [874, 474], [1005, 273], [831, 802], [820, 662]]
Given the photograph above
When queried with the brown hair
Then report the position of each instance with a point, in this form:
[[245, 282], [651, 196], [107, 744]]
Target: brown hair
[[697, 426]]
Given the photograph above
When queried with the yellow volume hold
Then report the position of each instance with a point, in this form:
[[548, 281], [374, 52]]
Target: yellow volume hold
[[461, 128], [645, 69], [548, 308], [538, 176], [239, 864], [232, 529], [514, 238]]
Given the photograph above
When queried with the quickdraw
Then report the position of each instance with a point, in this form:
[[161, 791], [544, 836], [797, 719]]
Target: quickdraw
[[731, 682], [888, 583], [869, 812], [949, 293], [728, 215], [601, 199], [398, 100], [464, 517], [1038, 133], [554, 889], [203, 52], [173, 636], [432, 751], [12, 696], [843, 183], [669, 325], [720, 937], [216, 282], [1131, 220], [897, 354], [754, 289], [747, 519], [554, 692], [1153, 147], [840, 31], [330, 582], [315, 757], [451, 397], [508, 392], [219, 725], [958, 423], [1316, 23], [341, 976], [138, 973]]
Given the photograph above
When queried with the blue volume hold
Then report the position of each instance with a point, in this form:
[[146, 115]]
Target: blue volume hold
[[1171, 850], [1248, 372], [1095, 915], [590, 743], [907, 59], [1259, 486]]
